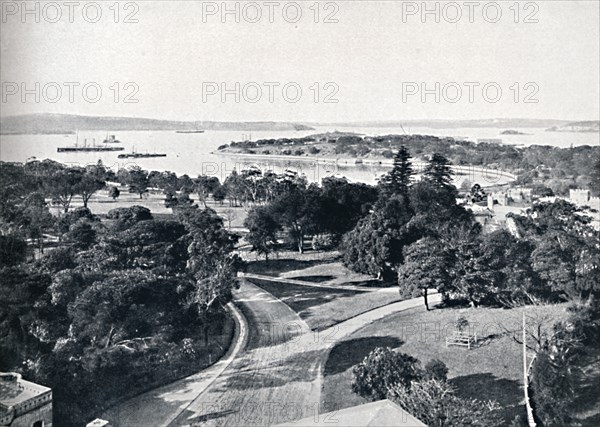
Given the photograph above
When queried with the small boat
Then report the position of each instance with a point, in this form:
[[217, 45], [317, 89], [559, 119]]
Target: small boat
[[111, 139], [189, 131]]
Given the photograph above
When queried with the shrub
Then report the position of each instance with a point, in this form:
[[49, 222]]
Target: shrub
[[382, 369], [322, 242], [435, 403], [461, 324], [435, 369]]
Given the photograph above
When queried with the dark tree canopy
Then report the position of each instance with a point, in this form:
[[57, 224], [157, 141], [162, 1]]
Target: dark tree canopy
[[438, 171], [398, 180]]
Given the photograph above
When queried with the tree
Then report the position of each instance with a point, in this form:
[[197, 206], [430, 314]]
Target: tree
[[435, 207], [114, 192], [262, 231], [375, 245], [138, 182], [595, 182], [82, 234], [509, 259], [382, 369], [206, 185], [90, 182], [295, 210], [470, 277], [13, 250], [553, 384], [435, 403], [398, 180], [170, 199], [210, 257], [477, 193], [63, 184], [35, 218], [438, 171], [342, 204], [127, 217], [425, 267]]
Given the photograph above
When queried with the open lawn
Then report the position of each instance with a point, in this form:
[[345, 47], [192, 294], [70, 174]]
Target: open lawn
[[490, 371], [322, 307], [100, 203], [323, 268]]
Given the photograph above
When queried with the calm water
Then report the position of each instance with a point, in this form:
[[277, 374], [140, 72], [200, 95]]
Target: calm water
[[191, 153]]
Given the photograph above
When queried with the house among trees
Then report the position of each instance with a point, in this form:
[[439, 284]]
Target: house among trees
[[23, 403]]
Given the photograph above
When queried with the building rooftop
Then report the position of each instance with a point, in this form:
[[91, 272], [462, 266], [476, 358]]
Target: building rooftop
[[14, 390], [382, 413]]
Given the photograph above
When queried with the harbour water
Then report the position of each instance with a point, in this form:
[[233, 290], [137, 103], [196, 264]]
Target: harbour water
[[193, 154]]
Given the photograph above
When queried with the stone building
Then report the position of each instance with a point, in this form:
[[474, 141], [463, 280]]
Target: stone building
[[23, 403]]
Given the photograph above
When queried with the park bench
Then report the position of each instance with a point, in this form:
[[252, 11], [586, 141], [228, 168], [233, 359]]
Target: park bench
[[462, 339]]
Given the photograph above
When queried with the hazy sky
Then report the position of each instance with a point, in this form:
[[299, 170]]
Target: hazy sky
[[374, 60]]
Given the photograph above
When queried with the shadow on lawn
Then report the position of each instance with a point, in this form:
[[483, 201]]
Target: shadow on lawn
[[275, 266], [300, 298], [486, 386], [346, 354], [313, 279]]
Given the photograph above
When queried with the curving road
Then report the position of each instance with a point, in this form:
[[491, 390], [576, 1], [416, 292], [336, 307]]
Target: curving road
[[276, 379]]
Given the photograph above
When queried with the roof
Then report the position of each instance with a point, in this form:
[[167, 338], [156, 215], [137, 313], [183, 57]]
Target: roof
[[381, 413], [14, 389]]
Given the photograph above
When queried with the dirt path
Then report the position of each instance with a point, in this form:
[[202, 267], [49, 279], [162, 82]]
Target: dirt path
[[276, 379]]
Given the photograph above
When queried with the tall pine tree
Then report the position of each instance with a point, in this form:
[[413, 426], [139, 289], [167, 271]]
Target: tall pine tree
[[438, 171], [398, 179]]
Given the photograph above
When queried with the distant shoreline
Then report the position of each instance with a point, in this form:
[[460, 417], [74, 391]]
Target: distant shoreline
[[461, 169]]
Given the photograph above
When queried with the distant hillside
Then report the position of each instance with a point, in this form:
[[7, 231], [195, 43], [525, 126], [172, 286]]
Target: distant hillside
[[587, 126], [67, 123], [451, 124]]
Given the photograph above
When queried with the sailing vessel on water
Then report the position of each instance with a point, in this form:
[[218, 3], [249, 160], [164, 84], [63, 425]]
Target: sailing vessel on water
[[189, 131], [86, 147]]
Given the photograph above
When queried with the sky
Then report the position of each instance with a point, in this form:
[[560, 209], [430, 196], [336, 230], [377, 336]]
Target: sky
[[309, 61]]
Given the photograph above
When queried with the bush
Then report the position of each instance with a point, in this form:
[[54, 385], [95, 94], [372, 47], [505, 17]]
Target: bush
[[314, 150], [113, 192], [435, 403], [435, 369], [552, 391], [322, 242], [461, 324], [382, 369]]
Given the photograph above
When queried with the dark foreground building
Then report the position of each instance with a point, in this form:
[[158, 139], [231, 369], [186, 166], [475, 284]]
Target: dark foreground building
[[23, 403]]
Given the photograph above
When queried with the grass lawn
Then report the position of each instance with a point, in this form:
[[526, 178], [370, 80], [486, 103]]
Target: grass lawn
[[324, 307], [100, 203], [491, 371], [324, 268]]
